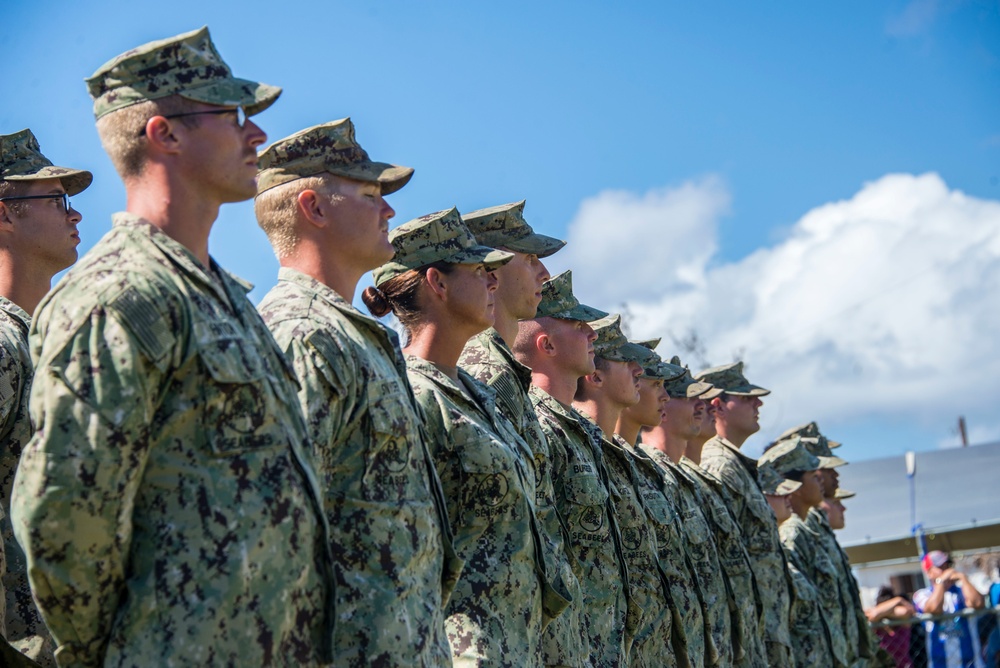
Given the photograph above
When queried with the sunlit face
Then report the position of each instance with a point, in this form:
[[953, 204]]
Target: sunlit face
[[652, 400], [811, 491], [831, 480], [221, 156], [621, 383], [680, 419], [834, 512], [574, 345], [741, 413], [781, 506], [470, 291], [520, 285], [44, 231], [708, 422], [361, 220]]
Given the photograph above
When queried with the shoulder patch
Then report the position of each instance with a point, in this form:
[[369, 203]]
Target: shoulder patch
[[145, 322]]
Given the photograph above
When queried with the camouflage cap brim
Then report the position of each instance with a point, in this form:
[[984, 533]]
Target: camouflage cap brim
[[75, 181], [830, 462], [490, 258], [749, 391], [710, 394], [535, 244], [686, 387], [844, 494], [833, 444], [580, 313], [663, 370], [254, 97], [629, 352], [390, 177], [787, 487]]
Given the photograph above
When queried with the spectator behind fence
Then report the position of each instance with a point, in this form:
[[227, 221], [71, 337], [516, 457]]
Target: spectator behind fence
[[950, 642], [893, 639]]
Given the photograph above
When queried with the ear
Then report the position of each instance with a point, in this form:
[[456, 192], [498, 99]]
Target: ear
[[160, 135], [6, 218], [310, 204], [596, 378], [437, 282], [544, 345]]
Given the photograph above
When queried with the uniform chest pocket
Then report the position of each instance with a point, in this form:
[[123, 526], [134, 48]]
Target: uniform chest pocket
[[663, 519], [586, 500], [697, 532], [489, 481], [238, 403], [760, 537], [394, 467]]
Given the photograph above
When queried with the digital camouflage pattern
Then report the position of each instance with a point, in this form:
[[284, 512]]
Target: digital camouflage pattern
[[810, 636], [810, 430], [657, 641], [773, 483], [505, 226], [612, 345], [188, 65], [861, 642], [738, 474], [488, 359], [437, 237], [166, 504], [329, 148], [22, 623], [558, 301], [730, 379], [379, 486], [745, 602], [495, 614], [801, 545], [686, 387], [582, 497], [788, 456], [21, 159], [701, 552], [820, 447]]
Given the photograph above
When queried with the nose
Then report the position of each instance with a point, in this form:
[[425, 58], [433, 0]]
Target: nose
[[491, 281], [255, 136], [635, 369], [758, 402], [387, 211], [545, 272], [74, 215], [591, 334]]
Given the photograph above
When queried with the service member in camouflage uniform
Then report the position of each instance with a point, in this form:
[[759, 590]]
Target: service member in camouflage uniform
[[489, 359], [663, 442], [38, 239], [440, 285], [744, 599], [320, 201], [810, 636], [735, 420], [166, 504], [558, 346], [672, 631], [791, 460]]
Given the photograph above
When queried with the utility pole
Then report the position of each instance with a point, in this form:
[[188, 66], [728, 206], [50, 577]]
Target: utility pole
[[962, 431]]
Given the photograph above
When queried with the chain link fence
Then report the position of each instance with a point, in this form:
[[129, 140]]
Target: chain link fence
[[967, 639]]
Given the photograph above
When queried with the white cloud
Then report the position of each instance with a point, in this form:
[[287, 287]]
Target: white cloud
[[914, 19], [882, 305]]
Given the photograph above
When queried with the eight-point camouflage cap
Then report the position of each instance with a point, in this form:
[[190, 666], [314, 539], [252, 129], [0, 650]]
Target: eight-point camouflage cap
[[188, 65], [505, 226], [665, 371], [686, 387], [558, 301], [21, 159], [773, 483], [790, 455], [437, 237], [810, 430], [729, 378], [844, 494], [612, 345], [819, 448], [332, 148]]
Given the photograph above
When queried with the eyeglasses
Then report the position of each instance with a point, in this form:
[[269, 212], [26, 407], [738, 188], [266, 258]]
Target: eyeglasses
[[241, 116], [63, 196]]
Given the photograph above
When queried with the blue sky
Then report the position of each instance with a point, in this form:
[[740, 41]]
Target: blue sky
[[733, 123]]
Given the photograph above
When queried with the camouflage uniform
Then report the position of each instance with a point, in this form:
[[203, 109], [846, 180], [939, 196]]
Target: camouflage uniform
[[169, 429], [487, 358], [166, 503], [741, 488], [379, 495], [702, 554], [737, 571], [582, 497], [494, 616]]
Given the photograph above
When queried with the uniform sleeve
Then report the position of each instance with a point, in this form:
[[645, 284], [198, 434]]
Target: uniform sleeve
[[92, 402], [11, 377]]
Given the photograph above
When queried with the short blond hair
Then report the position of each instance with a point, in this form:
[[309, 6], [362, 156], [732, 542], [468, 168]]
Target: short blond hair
[[277, 211], [121, 131]]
